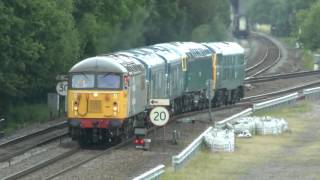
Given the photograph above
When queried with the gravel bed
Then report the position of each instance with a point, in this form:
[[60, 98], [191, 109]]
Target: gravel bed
[[31, 158], [8, 151], [276, 85], [256, 50], [61, 164], [129, 162]]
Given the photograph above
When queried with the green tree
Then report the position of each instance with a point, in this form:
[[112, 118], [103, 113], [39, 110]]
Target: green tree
[[38, 41], [309, 23], [207, 19], [165, 22]]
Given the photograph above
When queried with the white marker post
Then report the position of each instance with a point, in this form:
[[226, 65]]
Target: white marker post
[[159, 115], [62, 88]]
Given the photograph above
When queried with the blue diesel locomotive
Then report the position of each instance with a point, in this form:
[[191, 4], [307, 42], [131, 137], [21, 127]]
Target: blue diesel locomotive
[[109, 95]]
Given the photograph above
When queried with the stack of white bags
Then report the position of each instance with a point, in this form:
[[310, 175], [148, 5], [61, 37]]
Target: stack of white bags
[[224, 139], [261, 125], [220, 140]]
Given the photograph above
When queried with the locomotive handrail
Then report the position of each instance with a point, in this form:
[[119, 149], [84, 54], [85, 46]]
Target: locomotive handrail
[[151, 174]]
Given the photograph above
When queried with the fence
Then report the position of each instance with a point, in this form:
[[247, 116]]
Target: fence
[[289, 99], [151, 174], [312, 93], [188, 152]]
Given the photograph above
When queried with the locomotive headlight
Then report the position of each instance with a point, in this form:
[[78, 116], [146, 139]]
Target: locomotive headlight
[[115, 106], [95, 94], [75, 108]]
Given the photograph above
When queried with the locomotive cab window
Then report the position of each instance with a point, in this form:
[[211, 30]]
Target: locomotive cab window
[[82, 81], [108, 81]]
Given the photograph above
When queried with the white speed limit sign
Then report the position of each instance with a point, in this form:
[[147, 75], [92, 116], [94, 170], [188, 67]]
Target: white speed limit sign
[[159, 116], [62, 88]]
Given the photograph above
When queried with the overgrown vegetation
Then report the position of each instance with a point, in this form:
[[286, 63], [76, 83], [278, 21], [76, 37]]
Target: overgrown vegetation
[[42, 38], [23, 115], [308, 61]]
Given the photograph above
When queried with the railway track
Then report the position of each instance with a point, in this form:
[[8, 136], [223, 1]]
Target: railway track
[[267, 58], [265, 96], [22, 144], [281, 76]]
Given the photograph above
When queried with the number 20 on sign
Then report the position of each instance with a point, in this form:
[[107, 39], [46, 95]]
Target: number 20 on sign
[[159, 116]]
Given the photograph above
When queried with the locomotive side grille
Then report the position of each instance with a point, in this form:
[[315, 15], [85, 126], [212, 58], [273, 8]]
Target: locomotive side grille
[[94, 106]]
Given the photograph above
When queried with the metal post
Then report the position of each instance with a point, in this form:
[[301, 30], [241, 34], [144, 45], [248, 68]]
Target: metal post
[[2, 127], [209, 93], [164, 132]]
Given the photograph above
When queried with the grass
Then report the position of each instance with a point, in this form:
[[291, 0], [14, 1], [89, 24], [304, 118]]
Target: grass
[[286, 112], [307, 57], [249, 152], [24, 115]]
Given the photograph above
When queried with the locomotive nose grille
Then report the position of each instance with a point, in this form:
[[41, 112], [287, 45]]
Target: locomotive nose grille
[[94, 106]]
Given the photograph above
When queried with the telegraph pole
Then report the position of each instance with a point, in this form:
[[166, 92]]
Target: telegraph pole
[[209, 95]]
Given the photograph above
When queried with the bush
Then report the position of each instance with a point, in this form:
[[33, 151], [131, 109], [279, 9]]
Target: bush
[[23, 115]]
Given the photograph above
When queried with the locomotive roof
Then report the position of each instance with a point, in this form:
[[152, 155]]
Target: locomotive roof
[[147, 57], [164, 50], [192, 48], [226, 48], [108, 63]]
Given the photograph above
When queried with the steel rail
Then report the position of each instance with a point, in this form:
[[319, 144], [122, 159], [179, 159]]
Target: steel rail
[[39, 132], [40, 165], [273, 52], [8, 157], [281, 76], [280, 92]]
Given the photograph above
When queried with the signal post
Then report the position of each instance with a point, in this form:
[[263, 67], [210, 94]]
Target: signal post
[[159, 116]]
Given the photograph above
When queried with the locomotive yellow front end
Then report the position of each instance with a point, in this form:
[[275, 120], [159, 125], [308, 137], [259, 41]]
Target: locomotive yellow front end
[[97, 100], [99, 108]]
